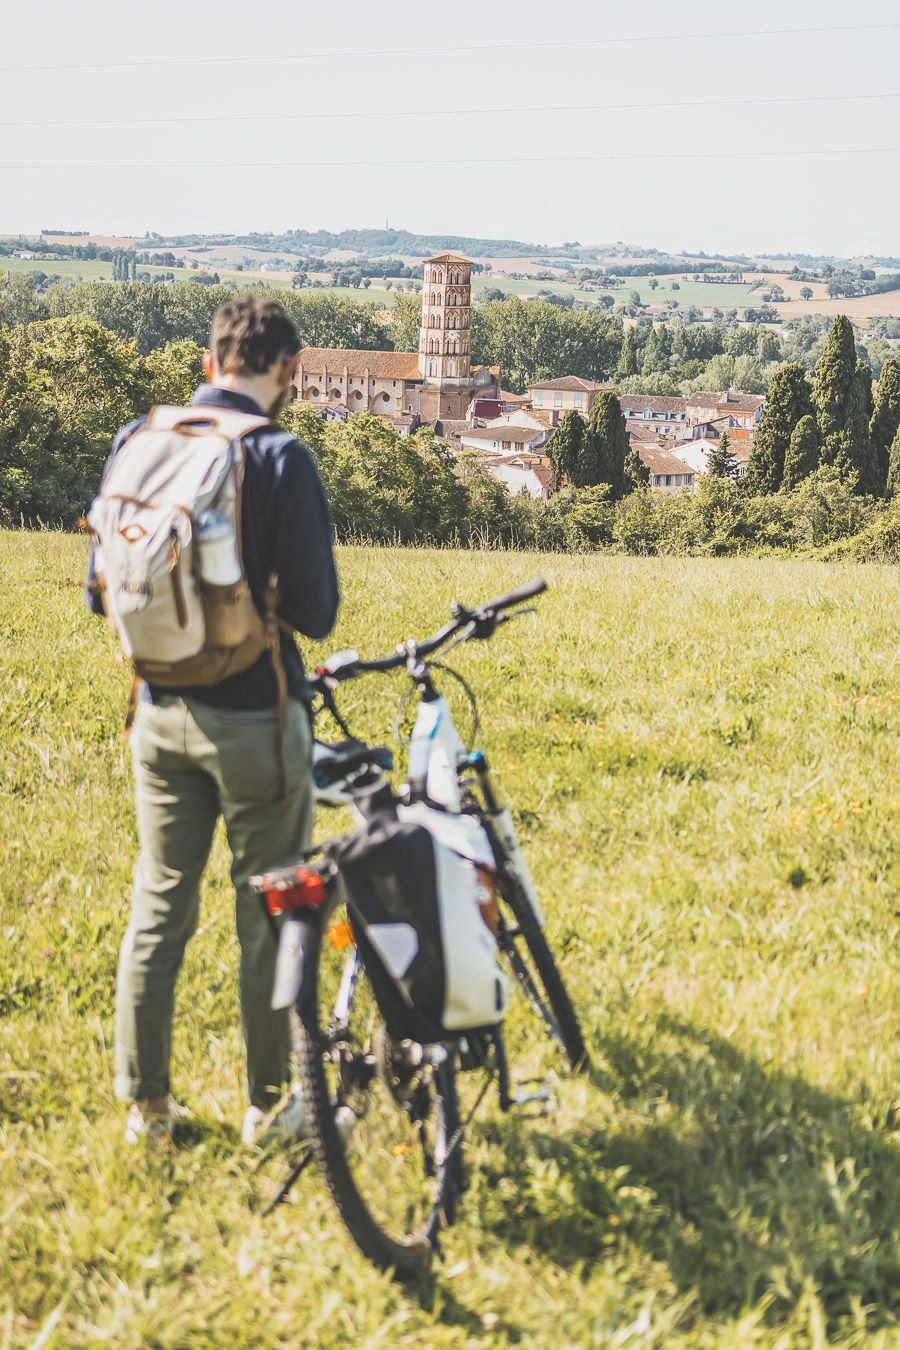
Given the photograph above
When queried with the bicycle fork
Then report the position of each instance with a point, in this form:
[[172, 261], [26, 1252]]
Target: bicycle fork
[[502, 832]]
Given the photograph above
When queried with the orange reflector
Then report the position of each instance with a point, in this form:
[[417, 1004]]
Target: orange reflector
[[341, 936], [487, 899]]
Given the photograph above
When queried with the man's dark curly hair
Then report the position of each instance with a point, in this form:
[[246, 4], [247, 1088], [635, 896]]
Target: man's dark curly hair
[[250, 334]]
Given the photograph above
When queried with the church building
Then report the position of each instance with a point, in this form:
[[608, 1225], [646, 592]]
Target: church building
[[438, 381]]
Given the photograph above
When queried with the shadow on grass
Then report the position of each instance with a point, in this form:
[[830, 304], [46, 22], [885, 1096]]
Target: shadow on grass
[[752, 1187]]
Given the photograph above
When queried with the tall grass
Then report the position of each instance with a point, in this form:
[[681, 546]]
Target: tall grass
[[703, 759]]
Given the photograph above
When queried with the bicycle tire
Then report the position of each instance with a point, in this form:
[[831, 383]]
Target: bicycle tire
[[406, 1258], [567, 1028]]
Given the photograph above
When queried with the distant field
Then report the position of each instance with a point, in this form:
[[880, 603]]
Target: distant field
[[703, 295], [110, 240], [74, 269], [702, 756]]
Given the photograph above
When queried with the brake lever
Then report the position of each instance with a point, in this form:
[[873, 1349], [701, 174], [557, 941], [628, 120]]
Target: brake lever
[[516, 614]]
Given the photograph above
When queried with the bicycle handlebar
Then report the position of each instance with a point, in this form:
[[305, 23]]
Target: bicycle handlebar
[[483, 621]]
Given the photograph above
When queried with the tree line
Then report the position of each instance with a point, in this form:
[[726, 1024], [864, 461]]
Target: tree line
[[838, 420], [530, 340], [95, 357]]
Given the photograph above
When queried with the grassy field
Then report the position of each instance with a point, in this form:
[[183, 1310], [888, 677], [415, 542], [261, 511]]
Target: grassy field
[[703, 759]]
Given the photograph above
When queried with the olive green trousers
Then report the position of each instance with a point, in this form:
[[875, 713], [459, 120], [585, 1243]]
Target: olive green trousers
[[193, 763]]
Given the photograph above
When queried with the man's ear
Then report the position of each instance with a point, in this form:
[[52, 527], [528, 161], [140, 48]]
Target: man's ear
[[208, 366], [288, 370]]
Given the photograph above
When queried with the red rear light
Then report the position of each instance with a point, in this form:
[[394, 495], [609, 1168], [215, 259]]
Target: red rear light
[[293, 890]]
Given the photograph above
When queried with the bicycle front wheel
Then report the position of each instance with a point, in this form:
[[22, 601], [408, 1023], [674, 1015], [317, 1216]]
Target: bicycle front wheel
[[383, 1115], [537, 974]]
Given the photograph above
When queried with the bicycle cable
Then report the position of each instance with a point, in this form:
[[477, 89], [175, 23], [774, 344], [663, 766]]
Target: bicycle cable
[[402, 738]]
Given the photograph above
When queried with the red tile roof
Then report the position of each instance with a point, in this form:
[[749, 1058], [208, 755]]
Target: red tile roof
[[573, 383], [726, 398], [659, 460], [658, 403], [516, 435]]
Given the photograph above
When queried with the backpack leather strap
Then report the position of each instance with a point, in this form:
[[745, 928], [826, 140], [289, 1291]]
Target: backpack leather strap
[[200, 419], [273, 627]]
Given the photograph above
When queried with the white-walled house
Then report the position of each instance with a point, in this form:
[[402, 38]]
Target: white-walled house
[[746, 409], [570, 393], [666, 471], [695, 454], [523, 473]]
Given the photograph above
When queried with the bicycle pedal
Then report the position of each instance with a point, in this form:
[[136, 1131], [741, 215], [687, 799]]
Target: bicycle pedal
[[539, 1098]]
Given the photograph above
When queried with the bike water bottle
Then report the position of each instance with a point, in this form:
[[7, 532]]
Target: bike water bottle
[[217, 546]]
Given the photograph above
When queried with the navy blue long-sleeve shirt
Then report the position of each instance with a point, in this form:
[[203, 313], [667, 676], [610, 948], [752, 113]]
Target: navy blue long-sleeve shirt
[[285, 528]]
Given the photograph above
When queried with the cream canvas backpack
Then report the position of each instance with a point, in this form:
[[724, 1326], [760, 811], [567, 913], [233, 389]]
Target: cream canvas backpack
[[178, 627]]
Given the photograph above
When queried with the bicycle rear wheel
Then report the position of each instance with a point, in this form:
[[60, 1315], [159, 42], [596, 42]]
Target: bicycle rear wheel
[[383, 1116], [537, 974]]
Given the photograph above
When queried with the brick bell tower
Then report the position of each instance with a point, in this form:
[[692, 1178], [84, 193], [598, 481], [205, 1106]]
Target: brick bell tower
[[444, 356]]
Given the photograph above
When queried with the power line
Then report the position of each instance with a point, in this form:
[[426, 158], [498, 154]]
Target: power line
[[257, 165], [455, 50], [448, 112]]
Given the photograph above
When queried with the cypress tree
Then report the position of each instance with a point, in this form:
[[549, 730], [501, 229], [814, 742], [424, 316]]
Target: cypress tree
[[893, 474], [834, 389], [564, 447], [802, 455], [885, 417], [628, 356], [859, 456], [605, 445], [722, 462], [789, 399]]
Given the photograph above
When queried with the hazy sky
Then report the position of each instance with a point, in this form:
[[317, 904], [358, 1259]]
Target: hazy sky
[[823, 202]]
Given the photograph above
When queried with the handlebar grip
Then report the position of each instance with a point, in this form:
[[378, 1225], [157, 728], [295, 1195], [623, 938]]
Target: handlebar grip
[[516, 597]]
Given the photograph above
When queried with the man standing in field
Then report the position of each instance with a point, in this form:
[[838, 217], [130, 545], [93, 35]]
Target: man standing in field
[[222, 749]]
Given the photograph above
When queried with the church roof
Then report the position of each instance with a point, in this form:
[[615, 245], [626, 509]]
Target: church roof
[[450, 258], [380, 365]]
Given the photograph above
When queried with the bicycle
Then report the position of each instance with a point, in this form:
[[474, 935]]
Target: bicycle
[[385, 1118]]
